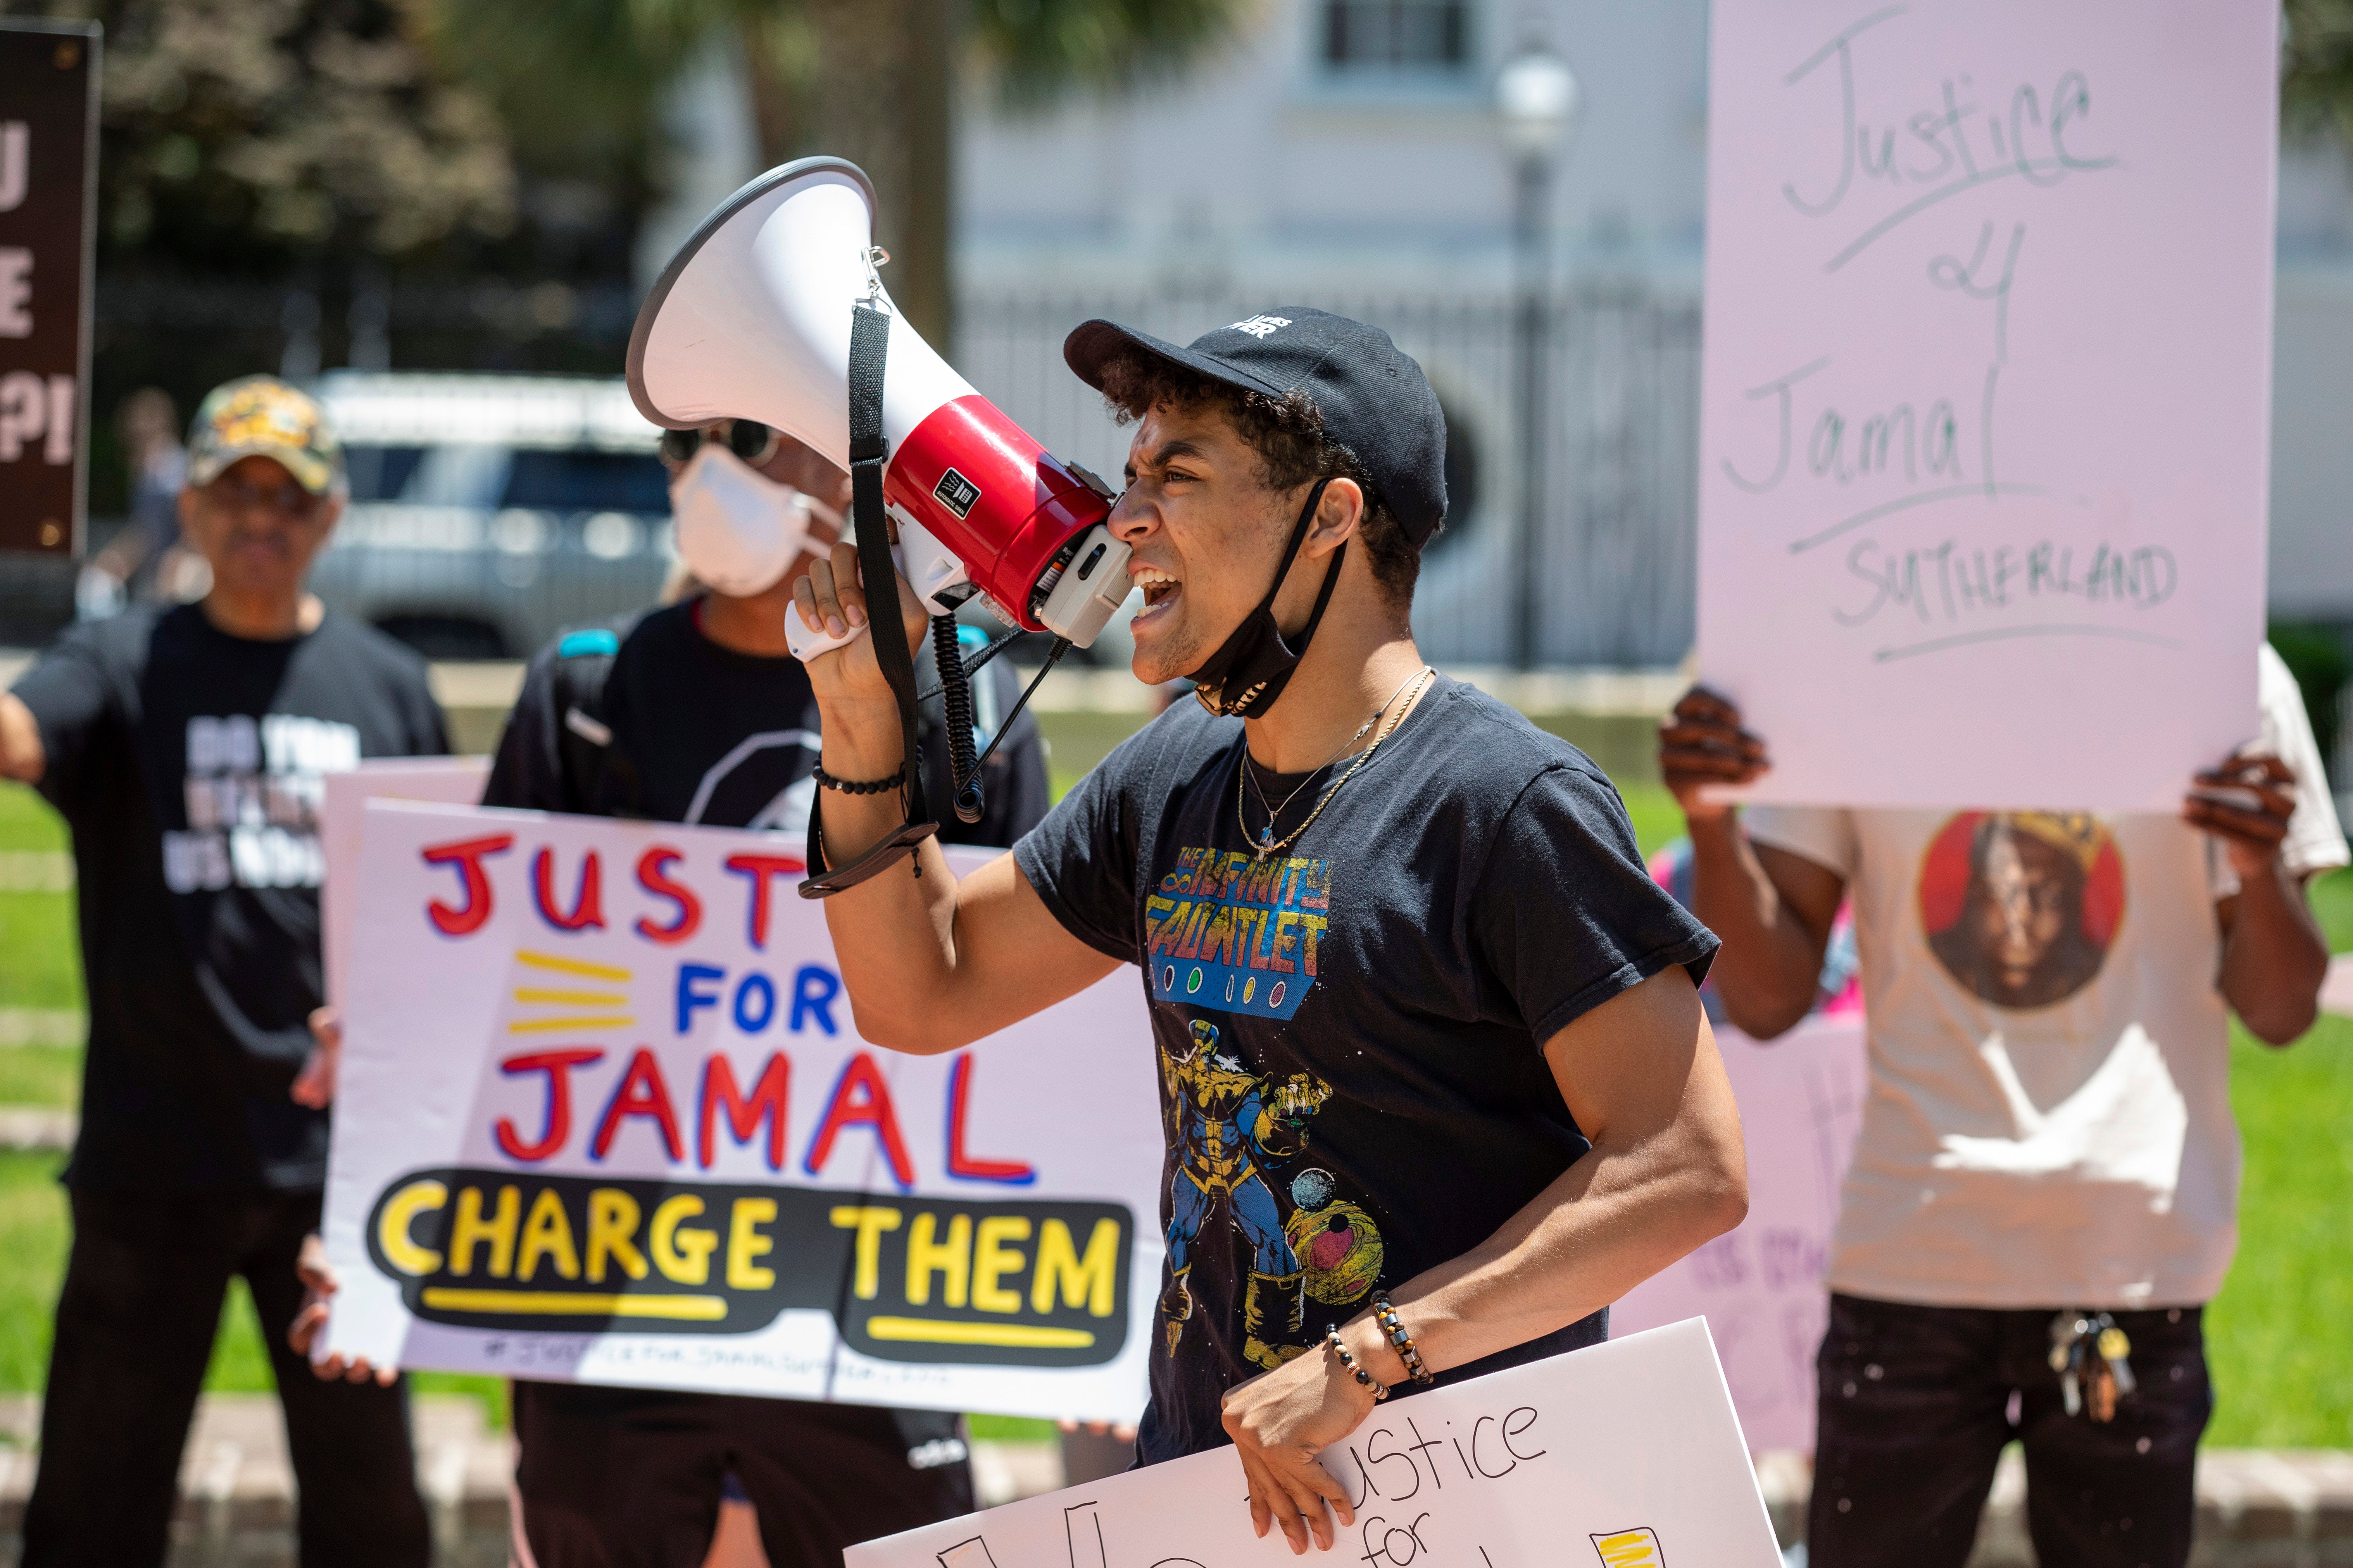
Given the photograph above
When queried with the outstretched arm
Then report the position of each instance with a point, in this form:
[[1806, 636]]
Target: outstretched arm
[[1666, 1172], [22, 757], [929, 963]]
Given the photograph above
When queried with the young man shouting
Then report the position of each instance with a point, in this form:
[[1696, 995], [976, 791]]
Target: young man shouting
[[1429, 1037]]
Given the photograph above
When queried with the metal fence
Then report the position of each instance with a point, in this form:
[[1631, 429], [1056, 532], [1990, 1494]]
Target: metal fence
[[1621, 363]]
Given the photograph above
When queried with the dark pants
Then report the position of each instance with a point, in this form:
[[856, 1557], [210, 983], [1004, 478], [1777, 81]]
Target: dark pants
[[135, 1323], [1916, 1404], [620, 1478]]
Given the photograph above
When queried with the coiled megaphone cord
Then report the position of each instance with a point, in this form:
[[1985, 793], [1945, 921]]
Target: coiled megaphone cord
[[956, 697]]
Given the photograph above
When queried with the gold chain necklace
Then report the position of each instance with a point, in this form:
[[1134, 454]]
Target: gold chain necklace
[[1341, 751], [1267, 843]]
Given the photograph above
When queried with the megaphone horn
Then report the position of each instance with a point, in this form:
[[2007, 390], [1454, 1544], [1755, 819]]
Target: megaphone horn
[[751, 320]]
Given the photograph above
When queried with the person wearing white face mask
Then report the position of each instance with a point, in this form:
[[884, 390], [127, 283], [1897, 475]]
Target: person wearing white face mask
[[748, 500], [696, 712]]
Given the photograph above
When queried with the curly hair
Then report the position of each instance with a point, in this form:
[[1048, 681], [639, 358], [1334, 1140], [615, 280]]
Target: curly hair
[[1292, 446]]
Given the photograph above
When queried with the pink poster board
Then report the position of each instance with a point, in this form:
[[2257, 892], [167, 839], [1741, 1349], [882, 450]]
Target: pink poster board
[[1760, 1287], [1986, 400]]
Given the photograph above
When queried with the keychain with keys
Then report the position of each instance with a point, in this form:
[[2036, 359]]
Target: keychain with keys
[[2090, 1355]]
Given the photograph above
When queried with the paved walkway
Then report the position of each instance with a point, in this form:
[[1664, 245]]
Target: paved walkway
[[236, 1486], [2256, 1507]]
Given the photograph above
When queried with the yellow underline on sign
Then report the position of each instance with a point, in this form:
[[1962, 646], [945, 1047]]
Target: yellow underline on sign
[[571, 966], [1010, 1336], [577, 998], [565, 1304], [545, 1026]]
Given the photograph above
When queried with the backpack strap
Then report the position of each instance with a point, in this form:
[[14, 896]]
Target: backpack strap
[[584, 741]]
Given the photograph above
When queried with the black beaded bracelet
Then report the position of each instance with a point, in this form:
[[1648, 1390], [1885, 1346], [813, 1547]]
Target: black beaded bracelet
[[873, 786], [1384, 1312], [1380, 1391]]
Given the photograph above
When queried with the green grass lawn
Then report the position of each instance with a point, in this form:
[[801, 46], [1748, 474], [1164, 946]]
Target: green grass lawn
[[2281, 1333], [2280, 1336], [40, 962]]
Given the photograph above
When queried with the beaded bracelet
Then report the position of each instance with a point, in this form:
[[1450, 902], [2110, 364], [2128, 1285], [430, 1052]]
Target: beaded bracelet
[[1393, 1328], [871, 786], [1380, 1391]]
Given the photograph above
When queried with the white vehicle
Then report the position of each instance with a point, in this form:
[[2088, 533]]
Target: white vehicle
[[489, 511]]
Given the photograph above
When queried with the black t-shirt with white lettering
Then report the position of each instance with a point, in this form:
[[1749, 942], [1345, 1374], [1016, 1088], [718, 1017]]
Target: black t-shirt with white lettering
[[188, 763], [1350, 1029]]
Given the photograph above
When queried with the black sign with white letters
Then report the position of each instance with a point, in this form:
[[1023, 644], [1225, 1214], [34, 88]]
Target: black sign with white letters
[[48, 163]]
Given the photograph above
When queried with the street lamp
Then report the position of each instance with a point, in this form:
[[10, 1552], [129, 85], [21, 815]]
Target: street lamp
[[1536, 97]]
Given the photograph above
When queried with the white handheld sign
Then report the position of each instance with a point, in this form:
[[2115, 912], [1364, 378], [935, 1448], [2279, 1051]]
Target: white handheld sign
[[1623, 1455], [604, 1116]]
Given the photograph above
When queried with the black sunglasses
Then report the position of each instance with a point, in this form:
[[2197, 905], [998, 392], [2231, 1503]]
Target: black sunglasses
[[754, 442]]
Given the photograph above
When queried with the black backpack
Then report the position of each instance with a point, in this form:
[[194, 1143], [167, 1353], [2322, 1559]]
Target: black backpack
[[584, 742]]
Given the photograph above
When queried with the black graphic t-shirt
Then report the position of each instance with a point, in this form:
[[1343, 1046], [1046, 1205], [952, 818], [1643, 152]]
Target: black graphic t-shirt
[[682, 730], [1350, 1029], [188, 763]]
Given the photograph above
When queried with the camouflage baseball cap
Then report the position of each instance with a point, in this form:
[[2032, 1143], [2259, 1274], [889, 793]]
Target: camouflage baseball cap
[[261, 417]]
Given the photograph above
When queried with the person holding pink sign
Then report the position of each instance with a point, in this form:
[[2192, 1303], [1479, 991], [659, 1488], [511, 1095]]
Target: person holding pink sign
[[2044, 1189]]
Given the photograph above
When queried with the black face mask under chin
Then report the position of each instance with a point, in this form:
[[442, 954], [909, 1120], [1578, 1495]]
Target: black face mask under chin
[[1251, 667]]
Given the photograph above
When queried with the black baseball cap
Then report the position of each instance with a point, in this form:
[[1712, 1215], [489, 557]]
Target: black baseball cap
[[1373, 397]]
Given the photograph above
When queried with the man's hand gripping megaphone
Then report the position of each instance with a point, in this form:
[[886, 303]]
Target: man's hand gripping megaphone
[[827, 629]]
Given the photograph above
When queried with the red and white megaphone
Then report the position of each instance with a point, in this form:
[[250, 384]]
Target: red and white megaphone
[[751, 321]]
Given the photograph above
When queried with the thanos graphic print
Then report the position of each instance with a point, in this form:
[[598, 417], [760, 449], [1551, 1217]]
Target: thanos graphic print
[[1238, 1136]]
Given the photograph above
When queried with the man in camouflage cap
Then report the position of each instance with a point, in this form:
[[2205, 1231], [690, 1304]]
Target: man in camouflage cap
[[261, 417], [184, 745]]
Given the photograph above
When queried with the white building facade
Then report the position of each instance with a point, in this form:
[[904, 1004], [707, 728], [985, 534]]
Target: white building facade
[[1346, 154]]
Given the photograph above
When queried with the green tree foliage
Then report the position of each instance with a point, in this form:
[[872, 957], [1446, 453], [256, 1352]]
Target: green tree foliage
[[1043, 49], [2316, 86], [871, 80], [2316, 657], [240, 134], [252, 136]]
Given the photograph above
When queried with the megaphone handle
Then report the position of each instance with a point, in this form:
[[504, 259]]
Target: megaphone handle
[[808, 644]]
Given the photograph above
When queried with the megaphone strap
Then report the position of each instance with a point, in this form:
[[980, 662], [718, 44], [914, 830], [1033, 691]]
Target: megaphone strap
[[881, 858], [870, 345]]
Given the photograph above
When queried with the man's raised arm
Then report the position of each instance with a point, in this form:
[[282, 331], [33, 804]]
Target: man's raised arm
[[22, 757], [931, 964]]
